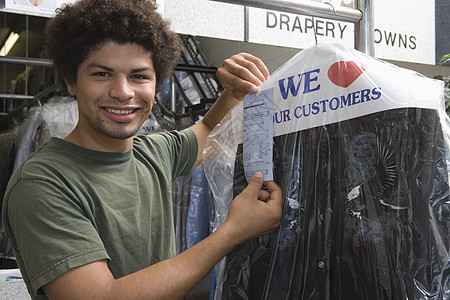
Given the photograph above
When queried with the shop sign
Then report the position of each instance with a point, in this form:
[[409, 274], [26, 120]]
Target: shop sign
[[296, 31], [405, 31], [45, 8], [205, 18]]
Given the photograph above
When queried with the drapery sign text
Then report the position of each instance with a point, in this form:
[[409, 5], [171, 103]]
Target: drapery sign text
[[292, 30]]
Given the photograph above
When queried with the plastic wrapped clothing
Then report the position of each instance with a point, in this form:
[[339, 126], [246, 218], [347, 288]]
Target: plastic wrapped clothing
[[56, 118], [363, 162], [201, 210], [193, 212]]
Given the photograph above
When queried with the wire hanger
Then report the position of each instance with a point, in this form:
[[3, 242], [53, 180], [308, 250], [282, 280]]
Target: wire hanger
[[314, 23]]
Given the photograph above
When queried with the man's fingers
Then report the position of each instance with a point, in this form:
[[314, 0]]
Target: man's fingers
[[243, 72], [272, 186], [263, 195], [276, 194], [231, 80], [253, 67]]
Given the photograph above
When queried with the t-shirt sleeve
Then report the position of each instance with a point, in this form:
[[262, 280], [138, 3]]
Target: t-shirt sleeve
[[51, 230], [177, 149], [188, 152]]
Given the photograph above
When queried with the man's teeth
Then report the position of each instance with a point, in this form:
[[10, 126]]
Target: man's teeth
[[119, 111]]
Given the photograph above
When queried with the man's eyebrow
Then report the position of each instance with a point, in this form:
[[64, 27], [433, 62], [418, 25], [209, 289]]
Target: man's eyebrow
[[95, 65], [136, 70]]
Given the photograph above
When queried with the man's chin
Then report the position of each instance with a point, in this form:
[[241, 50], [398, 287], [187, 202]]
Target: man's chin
[[121, 134]]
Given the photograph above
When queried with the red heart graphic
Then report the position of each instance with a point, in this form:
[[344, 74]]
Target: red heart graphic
[[344, 73]]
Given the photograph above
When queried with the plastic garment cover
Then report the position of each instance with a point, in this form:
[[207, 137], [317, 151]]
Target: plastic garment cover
[[201, 210], [57, 118], [363, 161], [9, 143], [193, 212], [193, 208]]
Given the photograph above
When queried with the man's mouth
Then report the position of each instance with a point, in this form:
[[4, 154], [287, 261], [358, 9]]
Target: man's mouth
[[120, 111]]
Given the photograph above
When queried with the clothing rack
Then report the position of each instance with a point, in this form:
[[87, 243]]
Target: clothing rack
[[192, 61], [204, 81], [29, 101]]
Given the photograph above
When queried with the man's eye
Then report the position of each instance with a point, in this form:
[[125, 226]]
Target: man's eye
[[101, 74], [139, 76]]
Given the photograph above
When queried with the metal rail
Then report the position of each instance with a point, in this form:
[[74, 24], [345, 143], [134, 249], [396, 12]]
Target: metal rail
[[364, 29], [48, 63], [26, 61], [28, 102], [15, 96], [316, 9]]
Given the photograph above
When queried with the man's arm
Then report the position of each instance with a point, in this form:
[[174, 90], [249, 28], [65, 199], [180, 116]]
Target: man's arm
[[241, 74], [252, 213]]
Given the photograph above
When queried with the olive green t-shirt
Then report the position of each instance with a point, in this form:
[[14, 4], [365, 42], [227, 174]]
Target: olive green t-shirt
[[67, 206]]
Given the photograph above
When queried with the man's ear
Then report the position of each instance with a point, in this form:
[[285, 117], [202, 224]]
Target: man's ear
[[70, 87]]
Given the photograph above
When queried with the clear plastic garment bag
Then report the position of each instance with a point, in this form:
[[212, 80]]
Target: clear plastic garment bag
[[363, 160]]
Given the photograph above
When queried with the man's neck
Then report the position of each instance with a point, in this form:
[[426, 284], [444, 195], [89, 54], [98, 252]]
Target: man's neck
[[99, 143]]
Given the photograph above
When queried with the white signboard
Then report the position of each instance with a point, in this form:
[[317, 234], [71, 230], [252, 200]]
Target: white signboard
[[296, 31], [405, 30], [205, 18], [34, 7]]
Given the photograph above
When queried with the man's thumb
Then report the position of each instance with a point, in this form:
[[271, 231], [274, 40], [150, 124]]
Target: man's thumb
[[256, 182]]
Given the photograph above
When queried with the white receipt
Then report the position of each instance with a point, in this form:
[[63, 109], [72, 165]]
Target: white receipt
[[258, 134]]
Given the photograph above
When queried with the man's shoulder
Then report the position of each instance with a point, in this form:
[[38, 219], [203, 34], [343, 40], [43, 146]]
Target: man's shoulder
[[164, 137], [44, 162]]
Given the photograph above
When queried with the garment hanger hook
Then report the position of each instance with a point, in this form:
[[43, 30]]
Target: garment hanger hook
[[314, 28], [314, 23], [330, 4]]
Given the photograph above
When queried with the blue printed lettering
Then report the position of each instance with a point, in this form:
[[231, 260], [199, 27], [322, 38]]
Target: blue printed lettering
[[376, 93], [304, 110], [324, 104], [286, 116], [308, 81], [315, 108], [281, 116], [355, 98], [293, 88], [332, 106], [275, 117], [365, 95], [346, 100], [290, 86], [298, 112]]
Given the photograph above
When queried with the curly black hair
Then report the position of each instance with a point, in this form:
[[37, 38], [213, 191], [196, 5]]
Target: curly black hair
[[81, 27]]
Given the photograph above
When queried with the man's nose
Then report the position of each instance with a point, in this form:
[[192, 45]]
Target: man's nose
[[121, 89]]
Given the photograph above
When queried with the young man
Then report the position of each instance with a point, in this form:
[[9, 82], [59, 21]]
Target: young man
[[90, 217]]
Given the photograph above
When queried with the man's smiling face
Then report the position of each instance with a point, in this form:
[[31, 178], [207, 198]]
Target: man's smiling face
[[115, 89]]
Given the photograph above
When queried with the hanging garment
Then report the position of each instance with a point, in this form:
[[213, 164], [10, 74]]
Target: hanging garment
[[360, 150], [201, 210], [55, 119]]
